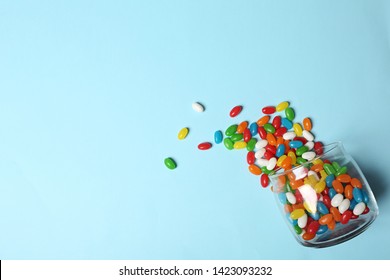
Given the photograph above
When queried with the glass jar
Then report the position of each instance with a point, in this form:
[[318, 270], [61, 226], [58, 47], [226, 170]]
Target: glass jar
[[327, 200]]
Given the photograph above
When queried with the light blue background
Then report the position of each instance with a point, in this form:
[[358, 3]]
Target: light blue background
[[93, 93]]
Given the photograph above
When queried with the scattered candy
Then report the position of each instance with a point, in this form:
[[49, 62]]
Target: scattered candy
[[204, 146], [235, 111], [183, 133], [170, 163], [198, 107]]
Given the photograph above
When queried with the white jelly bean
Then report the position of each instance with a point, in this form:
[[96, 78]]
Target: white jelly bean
[[344, 205], [309, 155], [260, 153], [197, 107], [291, 197], [262, 162], [359, 208], [302, 221], [310, 145], [313, 173], [271, 163], [289, 135], [308, 136], [337, 199], [261, 144]]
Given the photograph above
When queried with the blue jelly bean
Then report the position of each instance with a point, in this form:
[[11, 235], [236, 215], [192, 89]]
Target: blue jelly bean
[[280, 150], [282, 198], [287, 123], [253, 128], [365, 197], [218, 137], [322, 208], [315, 216], [352, 204], [291, 220], [329, 180], [357, 195], [332, 193], [296, 144], [322, 229]]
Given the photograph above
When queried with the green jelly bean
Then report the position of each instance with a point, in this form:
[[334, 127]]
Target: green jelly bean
[[342, 170], [228, 143], [301, 150], [231, 130], [269, 128], [170, 163], [297, 229], [250, 146], [288, 187], [237, 137], [265, 170], [290, 114], [301, 160], [336, 166], [329, 169]]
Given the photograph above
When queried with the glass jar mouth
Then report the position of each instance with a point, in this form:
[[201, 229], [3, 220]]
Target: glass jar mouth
[[328, 148]]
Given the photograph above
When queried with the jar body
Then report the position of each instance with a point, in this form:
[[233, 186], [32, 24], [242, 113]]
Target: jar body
[[325, 201]]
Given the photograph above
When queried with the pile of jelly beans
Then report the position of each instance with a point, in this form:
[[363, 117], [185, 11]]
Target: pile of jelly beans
[[319, 195]]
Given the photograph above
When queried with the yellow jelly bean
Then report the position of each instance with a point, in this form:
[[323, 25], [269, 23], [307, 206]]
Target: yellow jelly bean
[[313, 180], [293, 157], [318, 161], [239, 145], [183, 133], [298, 129], [296, 214], [309, 207], [280, 160], [323, 175], [282, 106], [320, 186]]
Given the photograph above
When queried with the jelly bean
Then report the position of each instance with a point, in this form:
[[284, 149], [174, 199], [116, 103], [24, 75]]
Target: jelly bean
[[291, 220], [247, 135], [310, 145], [268, 110], [271, 139], [204, 146], [357, 195], [170, 163], [282, 106], [277, 122], [253, 128], [254, 169], [329, 179], [352, 204], [345, 217], [308, 135], [231, 130], [335, 213], [289, 135], [299, 138], [331, 225], [337, 199], [301, 160], [313, 227], [271, 163], [287, 207], [301, 150], [296, 214], [280, 132], [236, 137], [297, 129], [318, 148], [271, 149], [183, 133], [295, 144], [262, 162], [290, 114], [367, 210], [291, 198], [344, 178], [235, 111], [241, 127], [280, 150], [293, 157], [312, 174], [282, 197], [298, 196], [353, 217], [315, 216], [322, 208], [239, 145], [250, 157], [319, 187], [228, 143], [336, 166], [297, 229], [286, 164], [322, 229], [338, 187], [355, 182], [344, 206], [218, 137], [302, 221], [359, 208], [326, 219], [329, 169], [307, 236], [365, 197], [326, 200], [287, 123], [263, 120], [262, 132], [332, 193], [260, 153], [280, 160], [348, 192], [269, 128], [317, 167], [307, 124], [197, 107], [261, 144], [264, 180], [268, 155], [251, 144], [308, 155]]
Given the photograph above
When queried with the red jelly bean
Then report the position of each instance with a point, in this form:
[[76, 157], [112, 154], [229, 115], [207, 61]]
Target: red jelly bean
[[298, 196], [271, 149], [269, 110], [204, 146], [366, 210], [313, 227], [318, 148], [247, 135], [354, 217], [346, 217], [264, 180], [309, 220], [327, 201], [235, 111], [250, 157], [280, 131], [302, 139], [268, 155], [327, 161], [277, 122], [325, 191], [262, 132]]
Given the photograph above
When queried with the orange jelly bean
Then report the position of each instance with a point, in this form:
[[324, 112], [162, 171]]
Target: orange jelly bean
[[344, 178], [348, 192], [279, 141], [326, 219], [332, 225], [286, 163], [298, 206], [317, 167], [338, 187], [307, 124], [254, 169], [282, 180], [271, 139], [288, 208], [308, 236], [336, 214], [296, 184], [263, 120], [241, 127], [355, 182]]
